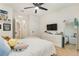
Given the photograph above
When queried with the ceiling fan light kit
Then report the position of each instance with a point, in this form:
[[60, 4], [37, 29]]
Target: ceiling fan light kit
[[36, 8]]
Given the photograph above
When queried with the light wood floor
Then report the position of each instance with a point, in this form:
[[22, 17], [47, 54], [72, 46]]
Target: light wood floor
[[68, 50]]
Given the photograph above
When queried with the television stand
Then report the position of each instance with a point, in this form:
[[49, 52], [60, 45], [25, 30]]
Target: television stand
[[56, 39]]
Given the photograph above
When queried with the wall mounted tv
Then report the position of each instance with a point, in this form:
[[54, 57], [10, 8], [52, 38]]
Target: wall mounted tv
[[51, 27]]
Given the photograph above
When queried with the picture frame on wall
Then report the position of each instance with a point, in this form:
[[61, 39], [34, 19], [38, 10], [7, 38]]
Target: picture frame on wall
[[3, 15], [6, 27]]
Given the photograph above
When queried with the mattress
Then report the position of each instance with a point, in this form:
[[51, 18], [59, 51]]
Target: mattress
[[37, 47]]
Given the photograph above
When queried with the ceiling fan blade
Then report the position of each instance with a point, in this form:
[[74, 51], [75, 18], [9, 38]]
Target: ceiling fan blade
[[35, 4], [43, 8], [35, 11], [28, 7], [41, 3]]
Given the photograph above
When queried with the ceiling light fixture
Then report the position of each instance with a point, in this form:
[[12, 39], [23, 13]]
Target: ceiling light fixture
[[36, 8], [20, 16]]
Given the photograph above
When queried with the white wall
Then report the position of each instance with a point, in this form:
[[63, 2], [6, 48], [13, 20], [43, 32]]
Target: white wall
[[51, 19], [34, 25], [68, 13], [6, 33]]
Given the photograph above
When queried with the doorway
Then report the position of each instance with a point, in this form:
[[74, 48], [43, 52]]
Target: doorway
[[70, 32]]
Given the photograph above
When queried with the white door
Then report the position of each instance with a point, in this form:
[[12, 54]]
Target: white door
[[34, 25]]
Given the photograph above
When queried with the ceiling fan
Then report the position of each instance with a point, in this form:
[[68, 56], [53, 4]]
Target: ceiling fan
[[37, 6]]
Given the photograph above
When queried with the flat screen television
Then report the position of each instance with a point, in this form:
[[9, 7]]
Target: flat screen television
[[52, 27]]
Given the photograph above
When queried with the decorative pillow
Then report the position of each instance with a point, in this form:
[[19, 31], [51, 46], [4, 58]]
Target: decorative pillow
[[6, 38], [20, 46], [12, 42], [4, 47]]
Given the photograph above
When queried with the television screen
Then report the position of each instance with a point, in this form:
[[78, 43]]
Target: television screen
[[51, 27]]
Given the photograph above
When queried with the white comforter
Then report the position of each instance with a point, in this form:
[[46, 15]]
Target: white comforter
[[37, 47]]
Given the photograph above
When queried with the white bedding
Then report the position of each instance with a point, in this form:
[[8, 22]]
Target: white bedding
[[37, 47]]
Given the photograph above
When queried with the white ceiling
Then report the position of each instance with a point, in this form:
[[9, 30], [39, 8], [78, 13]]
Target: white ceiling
[[52, 7]]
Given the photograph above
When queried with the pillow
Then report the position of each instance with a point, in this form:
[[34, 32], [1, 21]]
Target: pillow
[[4, 47], [6, 38], [12, 43], [20, 46]]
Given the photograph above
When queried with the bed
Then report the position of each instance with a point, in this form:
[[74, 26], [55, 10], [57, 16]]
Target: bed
[[37, 47]]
